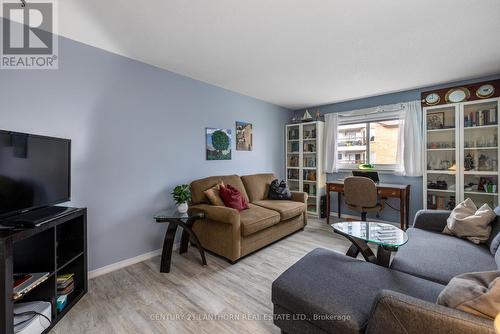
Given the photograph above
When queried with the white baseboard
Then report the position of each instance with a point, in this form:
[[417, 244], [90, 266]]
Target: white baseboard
[[127, 262]]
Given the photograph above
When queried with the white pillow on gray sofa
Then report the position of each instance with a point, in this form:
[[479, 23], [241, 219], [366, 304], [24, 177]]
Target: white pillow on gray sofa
[[467, 221], [476, 293]]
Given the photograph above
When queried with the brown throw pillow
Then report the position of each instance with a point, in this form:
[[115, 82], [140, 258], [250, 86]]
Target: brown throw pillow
[[476, 293], [466, 221], [213, 195]]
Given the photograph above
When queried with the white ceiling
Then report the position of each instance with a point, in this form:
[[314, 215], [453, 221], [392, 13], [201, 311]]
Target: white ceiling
[[298, 53]]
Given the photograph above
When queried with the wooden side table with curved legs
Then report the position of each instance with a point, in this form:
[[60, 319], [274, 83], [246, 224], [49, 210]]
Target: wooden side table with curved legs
[[186, 222]]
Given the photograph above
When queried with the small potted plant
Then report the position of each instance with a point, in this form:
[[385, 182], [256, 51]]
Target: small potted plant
[[182, 195]]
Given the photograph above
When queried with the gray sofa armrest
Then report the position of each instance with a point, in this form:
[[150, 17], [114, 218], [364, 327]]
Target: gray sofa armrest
[[394, 313], [431, 220]]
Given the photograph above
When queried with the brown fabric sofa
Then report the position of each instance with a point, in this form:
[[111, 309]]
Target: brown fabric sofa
[[233, 234]]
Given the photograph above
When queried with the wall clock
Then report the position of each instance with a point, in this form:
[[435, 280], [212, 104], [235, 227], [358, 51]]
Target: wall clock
[[485, 91], [432, 99], [456, 95]]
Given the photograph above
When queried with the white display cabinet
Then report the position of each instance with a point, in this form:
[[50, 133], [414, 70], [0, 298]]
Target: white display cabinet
[[461, 154], [304, 165]]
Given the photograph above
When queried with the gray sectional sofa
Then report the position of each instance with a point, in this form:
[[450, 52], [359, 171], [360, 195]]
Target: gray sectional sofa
[[328, 292]]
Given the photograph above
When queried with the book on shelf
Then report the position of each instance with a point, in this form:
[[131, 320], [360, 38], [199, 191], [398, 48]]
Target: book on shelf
[[65, 284], [481, 118], [67, 290], [23, 283], [64, 278]]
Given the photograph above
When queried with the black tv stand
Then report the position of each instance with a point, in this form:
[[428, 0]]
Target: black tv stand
[[37, 217], [57, 247]]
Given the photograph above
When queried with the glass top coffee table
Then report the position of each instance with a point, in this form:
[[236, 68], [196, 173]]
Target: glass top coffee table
[[388, 238]]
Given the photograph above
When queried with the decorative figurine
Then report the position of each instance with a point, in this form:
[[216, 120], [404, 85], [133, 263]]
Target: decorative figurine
[[318, 115], [483, 162], [469, 162], [307, 116]]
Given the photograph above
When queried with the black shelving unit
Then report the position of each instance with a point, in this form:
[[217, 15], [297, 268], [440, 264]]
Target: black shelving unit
[[59, 246]]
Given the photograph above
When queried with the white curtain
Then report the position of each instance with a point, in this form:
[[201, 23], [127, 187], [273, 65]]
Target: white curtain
[[410, 150], [330, 151]]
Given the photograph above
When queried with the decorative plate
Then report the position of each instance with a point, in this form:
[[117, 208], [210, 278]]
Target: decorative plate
[[456, 95], [432, 99], [485, 91]]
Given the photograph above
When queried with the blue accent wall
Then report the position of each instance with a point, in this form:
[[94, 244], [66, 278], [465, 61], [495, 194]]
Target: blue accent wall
[[136, 131], [416, 200]]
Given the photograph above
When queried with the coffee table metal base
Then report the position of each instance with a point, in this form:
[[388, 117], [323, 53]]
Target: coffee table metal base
[[383, 257]]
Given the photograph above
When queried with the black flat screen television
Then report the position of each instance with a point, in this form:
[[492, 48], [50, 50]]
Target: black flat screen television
[[34, 172]]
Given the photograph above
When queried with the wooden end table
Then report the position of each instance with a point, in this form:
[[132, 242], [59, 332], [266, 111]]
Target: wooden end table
[[174, 220]]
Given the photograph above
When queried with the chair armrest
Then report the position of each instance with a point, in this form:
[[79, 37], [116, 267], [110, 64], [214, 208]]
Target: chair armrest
[[299, 196], [220, 214], [431, 220], [395, 312]]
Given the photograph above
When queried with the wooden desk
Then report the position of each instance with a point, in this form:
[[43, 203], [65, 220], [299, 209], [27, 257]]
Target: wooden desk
[[385, 190]]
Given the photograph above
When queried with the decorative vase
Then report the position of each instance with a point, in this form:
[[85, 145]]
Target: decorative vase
[[182, 207]]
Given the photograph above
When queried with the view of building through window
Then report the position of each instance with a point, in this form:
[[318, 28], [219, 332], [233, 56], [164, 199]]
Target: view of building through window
[[351, 143], [370, 142]]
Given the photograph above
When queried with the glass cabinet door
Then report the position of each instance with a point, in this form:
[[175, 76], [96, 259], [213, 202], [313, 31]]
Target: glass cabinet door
[[480, 152], [293, 157], [441, 157], [309, 177]]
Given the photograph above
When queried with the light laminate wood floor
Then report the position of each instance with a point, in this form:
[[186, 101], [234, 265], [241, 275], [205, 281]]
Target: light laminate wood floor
[[219, 298]]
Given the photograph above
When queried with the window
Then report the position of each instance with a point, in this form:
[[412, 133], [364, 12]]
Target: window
[[374, 142]]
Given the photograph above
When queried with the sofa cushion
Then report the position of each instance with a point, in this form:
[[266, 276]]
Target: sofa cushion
[[256, 218], [494, 240], [199, 186], [214, 196], [475, 293], [440, 257], [232, 198], [257, 185], [469, 222], [286, 209], [325, 283]]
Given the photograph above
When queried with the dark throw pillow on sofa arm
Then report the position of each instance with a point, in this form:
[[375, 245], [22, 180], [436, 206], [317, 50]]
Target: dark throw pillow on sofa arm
[[279, 191]]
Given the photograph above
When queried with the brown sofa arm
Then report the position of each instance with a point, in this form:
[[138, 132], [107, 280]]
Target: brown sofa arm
[[299, 196], [220, 214]]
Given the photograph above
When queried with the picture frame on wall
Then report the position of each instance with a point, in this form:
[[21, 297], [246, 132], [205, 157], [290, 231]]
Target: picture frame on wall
[[435, 120], [244, 136], [218, 144]]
